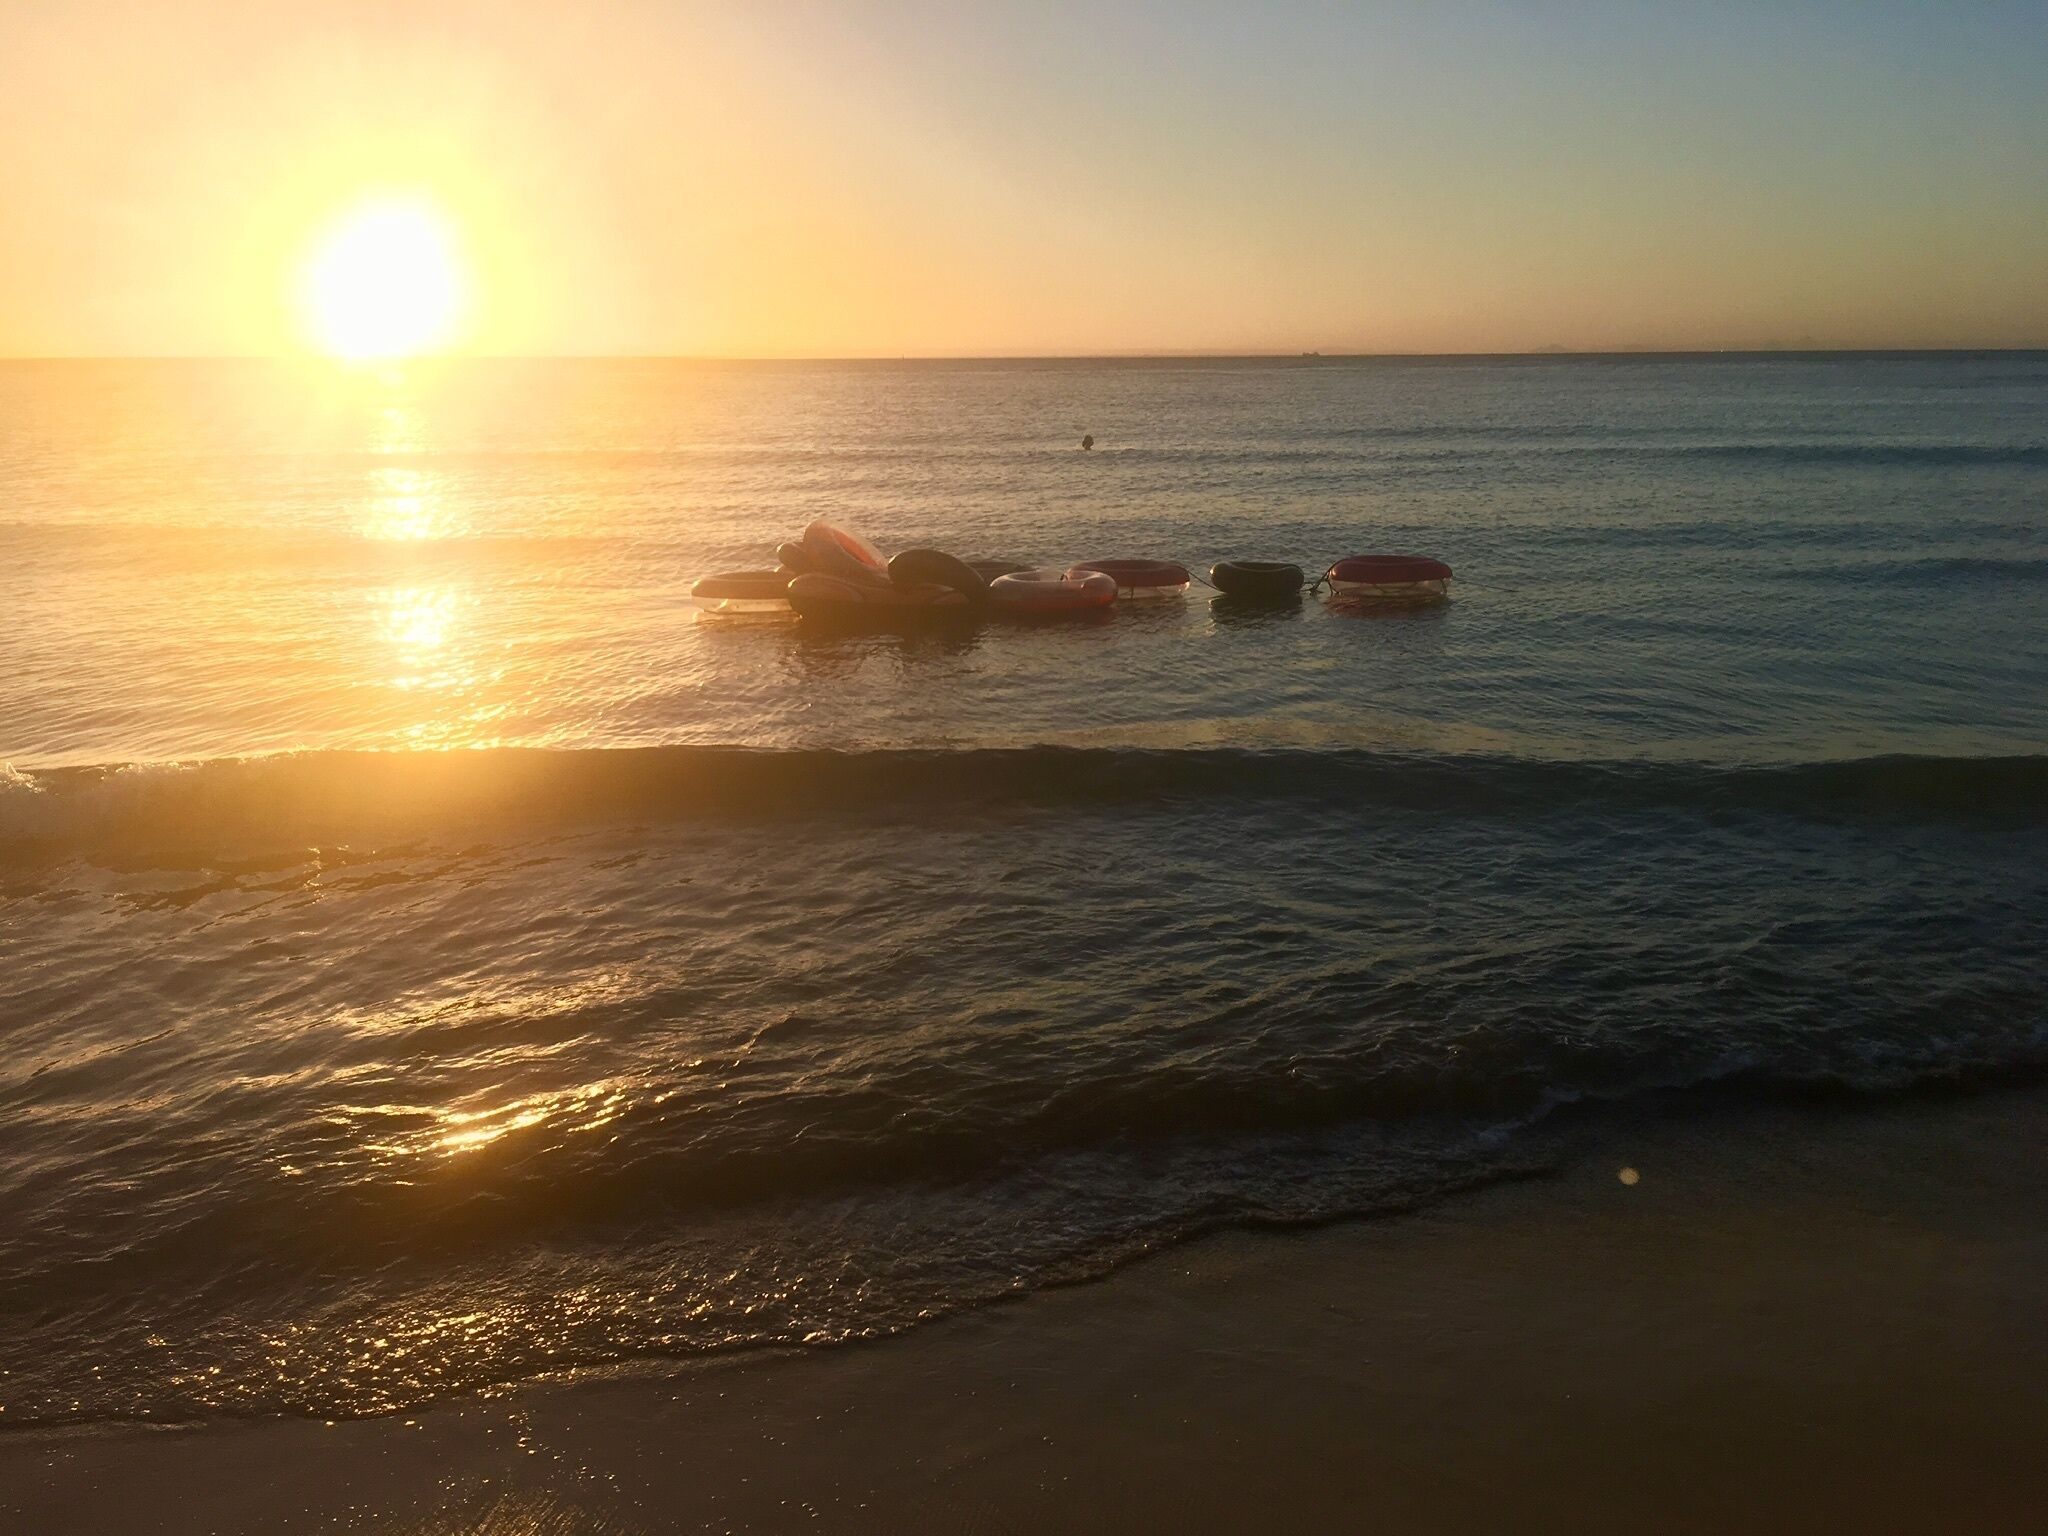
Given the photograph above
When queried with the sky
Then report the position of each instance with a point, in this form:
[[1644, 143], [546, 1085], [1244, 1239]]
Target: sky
[[781, 178]]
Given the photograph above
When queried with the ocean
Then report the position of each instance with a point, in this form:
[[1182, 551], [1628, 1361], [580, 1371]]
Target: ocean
[[434, 957]]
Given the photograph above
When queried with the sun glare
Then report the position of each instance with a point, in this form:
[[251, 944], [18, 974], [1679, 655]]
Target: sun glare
[[385, 280]]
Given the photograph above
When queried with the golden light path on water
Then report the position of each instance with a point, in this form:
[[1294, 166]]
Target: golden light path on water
[[427, 1340], [405, 506], [433, 653], [423, 626], [588, 1108], [405, 501]]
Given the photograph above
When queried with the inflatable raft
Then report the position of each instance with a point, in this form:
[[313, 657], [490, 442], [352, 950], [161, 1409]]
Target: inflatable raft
[[743, 592]]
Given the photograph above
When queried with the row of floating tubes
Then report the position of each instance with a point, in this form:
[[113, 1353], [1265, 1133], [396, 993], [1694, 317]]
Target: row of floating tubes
[[830, 573]]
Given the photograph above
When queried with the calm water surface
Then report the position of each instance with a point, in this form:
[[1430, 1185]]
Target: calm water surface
[[739, 984]]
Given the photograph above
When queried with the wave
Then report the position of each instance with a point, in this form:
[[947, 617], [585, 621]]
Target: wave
[[1922, 570], [342, 794], [1459, 447], [1151, 1128], [1904, 455], [657, 1294]]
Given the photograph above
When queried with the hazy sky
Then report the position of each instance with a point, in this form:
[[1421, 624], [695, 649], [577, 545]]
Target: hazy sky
[[784, 178]]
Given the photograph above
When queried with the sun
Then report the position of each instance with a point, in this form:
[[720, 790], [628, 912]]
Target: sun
[[384, 279]]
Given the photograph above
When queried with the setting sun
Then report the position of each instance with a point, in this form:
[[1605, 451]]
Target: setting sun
[[385, 279]]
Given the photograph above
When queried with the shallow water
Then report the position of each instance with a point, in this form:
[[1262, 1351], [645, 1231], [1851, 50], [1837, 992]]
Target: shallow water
[[755, 984]]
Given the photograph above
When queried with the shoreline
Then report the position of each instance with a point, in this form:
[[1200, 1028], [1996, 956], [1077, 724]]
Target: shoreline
[[1797, 1317]]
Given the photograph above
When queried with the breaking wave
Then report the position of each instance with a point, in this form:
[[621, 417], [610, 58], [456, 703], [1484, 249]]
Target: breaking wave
[[312, 796]]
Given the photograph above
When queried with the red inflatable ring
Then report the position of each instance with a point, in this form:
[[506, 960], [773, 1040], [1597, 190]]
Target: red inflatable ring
[[1389, 570]]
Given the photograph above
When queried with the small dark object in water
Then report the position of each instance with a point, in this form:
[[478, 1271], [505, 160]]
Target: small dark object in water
[[1088, 440], [935, 568], [1256, 580]]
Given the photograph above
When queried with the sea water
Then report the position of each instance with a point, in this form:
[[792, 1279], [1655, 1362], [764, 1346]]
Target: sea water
[[433, 955]]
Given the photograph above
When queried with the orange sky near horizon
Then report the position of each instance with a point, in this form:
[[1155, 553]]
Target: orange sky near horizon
[[781, 179]]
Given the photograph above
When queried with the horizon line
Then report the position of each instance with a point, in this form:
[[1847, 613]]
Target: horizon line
[[1192, 355]]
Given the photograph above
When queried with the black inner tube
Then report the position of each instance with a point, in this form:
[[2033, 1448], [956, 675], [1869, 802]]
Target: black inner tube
[[933, 567], [1256, 578]]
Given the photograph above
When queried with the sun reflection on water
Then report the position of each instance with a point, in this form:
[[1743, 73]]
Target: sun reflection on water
[[419, 623], [404, 498], [405, 505], [396, 422], [482, 1127], [585, 1108], [431, 658]]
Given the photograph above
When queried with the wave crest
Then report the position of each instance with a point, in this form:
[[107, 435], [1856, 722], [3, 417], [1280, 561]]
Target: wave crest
[[310, 797]]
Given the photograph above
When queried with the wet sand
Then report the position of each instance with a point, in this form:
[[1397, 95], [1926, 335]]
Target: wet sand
[[1797, 1318]]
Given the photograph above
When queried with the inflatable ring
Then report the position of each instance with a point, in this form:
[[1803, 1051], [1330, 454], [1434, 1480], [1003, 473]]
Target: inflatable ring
[[916, 568], [1139, 578], [989, 570], [1267, 581], [1389, 578], [835, 552], [828, 598], [795, 559], [1037, 592]]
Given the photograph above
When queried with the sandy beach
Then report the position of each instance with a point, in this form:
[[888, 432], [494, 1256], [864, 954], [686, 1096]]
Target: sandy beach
[[1794, 1319]]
